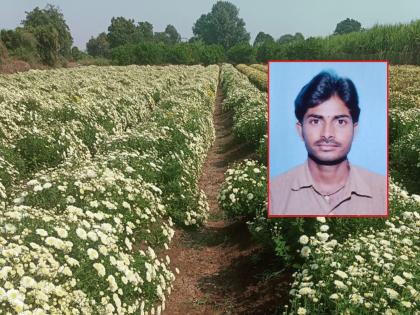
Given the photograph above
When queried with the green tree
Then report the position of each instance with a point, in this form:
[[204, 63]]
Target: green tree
[[38, 21], [76, 54], [144, 32], [99, 46], [48, 43], [347, 26], [267, 51], [284, 39], [169, 36], [172, 34], [221, 26], [21, 44], [241, 53], [262, 38], [121, 32], [211, 54], [3, 52]]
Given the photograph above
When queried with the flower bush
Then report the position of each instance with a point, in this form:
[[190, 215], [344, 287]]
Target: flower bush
[[404, 150], [261, 67], [372, 273], [249, 105], [255, 75], [89, 234], [243, 192], [262, 151]]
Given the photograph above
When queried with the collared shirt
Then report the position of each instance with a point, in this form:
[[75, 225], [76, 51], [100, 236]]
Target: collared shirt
[[295, 193]]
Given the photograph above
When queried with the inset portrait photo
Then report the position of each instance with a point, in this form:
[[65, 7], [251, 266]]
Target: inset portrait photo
[[327, 139]]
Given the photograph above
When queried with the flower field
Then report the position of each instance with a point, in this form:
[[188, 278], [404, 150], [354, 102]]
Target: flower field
[[96, 165], [343, 266]]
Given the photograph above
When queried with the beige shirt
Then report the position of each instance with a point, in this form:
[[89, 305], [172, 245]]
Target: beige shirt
[[295, 193]]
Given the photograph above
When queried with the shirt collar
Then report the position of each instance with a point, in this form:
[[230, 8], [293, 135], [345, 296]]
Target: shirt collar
[[355, 183]]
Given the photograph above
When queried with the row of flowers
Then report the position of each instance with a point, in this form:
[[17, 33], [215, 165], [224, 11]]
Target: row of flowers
[[404, 149], [89, 236], [374, 272], [248, 104], [47, 117], [255, 75], [261, 67], [346, 266]]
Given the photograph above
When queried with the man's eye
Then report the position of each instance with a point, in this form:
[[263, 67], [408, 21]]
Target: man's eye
[[314, 121], [342, 122]]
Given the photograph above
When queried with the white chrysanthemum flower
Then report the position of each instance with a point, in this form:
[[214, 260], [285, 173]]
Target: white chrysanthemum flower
[[91, 173], [100, 269], [306, 291], [303, 240], [92, 253], [360, 259], [92, 236], [41, 232], [27, 282], [341, 274], [10, 228], [340, 285], [324, 228], [321, 219], [334, 296], [81, 233], [305, 251], [398, 280], [301, 311], [393, 295], [61, 232]]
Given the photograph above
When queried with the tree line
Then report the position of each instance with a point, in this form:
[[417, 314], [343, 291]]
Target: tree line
[[218, 36]]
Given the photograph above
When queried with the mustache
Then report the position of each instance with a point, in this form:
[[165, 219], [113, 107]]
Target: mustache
[[327, 141]]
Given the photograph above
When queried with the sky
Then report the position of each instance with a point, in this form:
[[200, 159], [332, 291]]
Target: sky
[[88, 18]]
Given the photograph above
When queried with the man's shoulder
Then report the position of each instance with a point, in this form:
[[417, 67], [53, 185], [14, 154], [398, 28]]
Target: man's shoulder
[[368, 176], [286, 178]]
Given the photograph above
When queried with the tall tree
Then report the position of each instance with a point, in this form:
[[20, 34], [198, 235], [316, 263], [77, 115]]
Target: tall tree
[[221, 26], [261, 38], [169, 36], [49, 44], [173, 35], [99, 46], [288, 38], [46, 19], [347, 26], [145, 31], [121, 32]]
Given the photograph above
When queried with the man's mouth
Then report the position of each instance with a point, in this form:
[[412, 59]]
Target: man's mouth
[[323, 145]]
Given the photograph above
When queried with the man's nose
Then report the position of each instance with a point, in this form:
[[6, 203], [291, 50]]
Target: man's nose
[[328, 131]]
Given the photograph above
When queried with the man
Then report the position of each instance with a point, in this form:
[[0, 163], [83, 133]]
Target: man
[[328, 112]]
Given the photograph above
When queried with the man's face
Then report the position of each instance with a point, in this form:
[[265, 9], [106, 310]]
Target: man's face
[[328, 130]]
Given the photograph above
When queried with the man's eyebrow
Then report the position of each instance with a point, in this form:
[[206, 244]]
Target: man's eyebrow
[[322, 117], [341, 116], [315, 116]]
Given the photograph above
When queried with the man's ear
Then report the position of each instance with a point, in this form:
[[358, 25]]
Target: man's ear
[[299, 130], [355, 129]]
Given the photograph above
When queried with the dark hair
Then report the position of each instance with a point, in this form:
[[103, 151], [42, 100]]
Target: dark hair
[[323, 86]]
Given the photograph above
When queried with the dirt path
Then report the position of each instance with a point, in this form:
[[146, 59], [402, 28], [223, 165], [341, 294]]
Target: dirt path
[[222, 270]]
